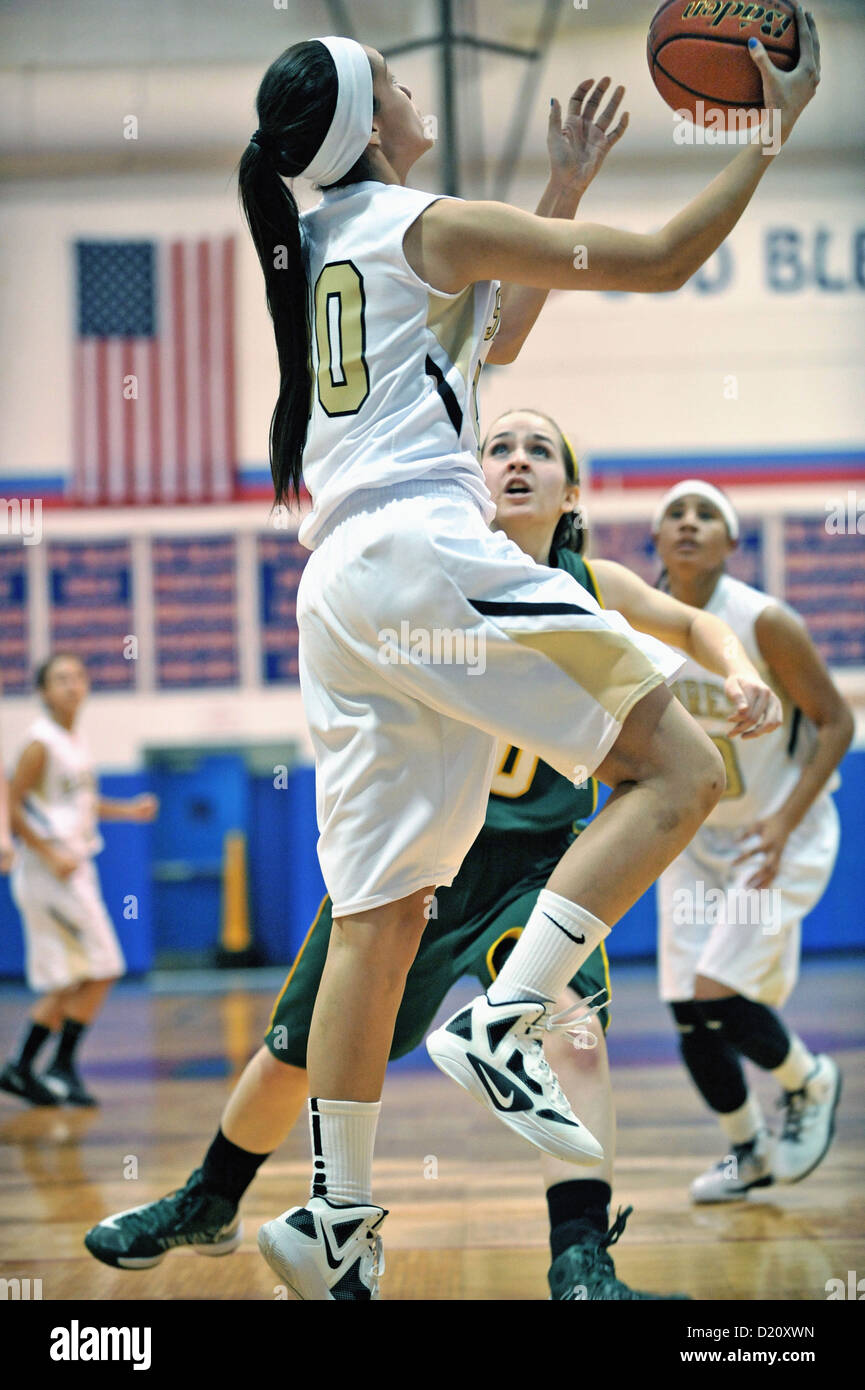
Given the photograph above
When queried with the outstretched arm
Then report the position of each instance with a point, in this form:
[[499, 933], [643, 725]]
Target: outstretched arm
[[453, 244], [709, 640], [140, 809], [577, 147]]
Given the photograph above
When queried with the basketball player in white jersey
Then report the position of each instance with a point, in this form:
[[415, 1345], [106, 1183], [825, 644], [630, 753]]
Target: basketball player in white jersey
[[73, 955], [385, 303], [730, 907]]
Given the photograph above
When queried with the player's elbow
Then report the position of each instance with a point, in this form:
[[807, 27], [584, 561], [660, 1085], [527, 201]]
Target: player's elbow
[[670, 274], [673, 278], [668, 266], [662, 270]]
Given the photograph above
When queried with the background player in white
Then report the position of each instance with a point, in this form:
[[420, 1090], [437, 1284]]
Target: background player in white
[[73, 955], [404, 307], [731, 905]]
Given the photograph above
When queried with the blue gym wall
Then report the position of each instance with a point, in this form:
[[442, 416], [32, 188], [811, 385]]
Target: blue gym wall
[[285, 886]]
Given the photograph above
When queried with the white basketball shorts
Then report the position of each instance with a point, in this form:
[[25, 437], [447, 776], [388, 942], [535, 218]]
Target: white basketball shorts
[[710, 924], [424, 638], [68, 934]]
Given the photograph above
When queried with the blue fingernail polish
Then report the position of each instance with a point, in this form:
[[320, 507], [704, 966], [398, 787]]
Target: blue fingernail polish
[[752, 43]]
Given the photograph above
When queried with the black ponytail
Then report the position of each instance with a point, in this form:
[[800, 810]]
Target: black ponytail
[[295, 103]]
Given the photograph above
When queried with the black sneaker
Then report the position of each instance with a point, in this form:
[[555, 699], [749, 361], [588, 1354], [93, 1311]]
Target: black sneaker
[[26, 1086], [68, 1087], [140, 1237], [586, 1271]]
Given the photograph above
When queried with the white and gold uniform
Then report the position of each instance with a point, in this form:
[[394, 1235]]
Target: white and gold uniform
[[709, 923], [424, 637], [68, 934]]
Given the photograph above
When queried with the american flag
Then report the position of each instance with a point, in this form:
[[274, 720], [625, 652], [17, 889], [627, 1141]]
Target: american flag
[[154, 408]]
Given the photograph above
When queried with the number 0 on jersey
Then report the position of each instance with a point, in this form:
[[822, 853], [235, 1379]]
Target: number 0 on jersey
[[340, 331]]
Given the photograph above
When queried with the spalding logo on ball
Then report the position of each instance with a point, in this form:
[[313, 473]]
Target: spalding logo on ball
[[698, 53]]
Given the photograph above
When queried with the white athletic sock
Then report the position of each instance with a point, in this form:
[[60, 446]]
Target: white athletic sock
[[558, 937], [796, 1067], [343, 1138], [744, 1124]]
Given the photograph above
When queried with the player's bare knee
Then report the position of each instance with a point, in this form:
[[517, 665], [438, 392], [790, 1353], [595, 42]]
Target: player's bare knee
[[708, 774], [690, 767], [385, 942]]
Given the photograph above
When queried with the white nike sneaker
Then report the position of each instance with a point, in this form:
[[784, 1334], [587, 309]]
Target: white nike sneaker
[[809, 1123], [746, 1166], [495, 1052], [325, 1252]]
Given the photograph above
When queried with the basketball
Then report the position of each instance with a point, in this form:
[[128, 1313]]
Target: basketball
[[698, 52]]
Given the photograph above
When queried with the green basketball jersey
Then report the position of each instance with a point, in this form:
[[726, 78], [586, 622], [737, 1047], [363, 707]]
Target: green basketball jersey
[[527, 795]]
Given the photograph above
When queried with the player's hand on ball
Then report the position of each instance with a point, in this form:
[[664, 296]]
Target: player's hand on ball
[[756, 707], [579, 143], [790, 92]]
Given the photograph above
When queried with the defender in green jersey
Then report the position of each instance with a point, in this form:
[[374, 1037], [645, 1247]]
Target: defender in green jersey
[[533, 813]]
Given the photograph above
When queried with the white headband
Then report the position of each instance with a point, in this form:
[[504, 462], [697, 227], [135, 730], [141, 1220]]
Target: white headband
[[351, 126], [696, 486]]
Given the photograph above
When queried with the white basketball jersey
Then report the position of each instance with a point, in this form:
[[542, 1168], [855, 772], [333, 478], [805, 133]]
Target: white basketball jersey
[[64, 808], [396, 362], [761, 772]]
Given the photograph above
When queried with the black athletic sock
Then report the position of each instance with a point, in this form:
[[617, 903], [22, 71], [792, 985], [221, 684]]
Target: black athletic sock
[[70, 1036], [227, 1169], [754, 1029], [578, 1209], [712, 1061], [37, 1034]]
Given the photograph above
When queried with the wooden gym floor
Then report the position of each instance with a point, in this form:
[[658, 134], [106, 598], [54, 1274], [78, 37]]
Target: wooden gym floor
[[162, 1065]]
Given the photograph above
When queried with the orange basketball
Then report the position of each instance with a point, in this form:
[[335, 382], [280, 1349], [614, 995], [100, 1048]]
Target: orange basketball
[[698, 52]]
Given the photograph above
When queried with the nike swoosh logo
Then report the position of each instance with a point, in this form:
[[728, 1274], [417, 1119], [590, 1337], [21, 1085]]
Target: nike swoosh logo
[[111, 1221], [580, 940], [510, 1097], [334, 1260], [504, 1102]]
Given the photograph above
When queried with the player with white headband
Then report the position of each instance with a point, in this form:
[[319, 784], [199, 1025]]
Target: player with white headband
[[385, 303], [731, 906]]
